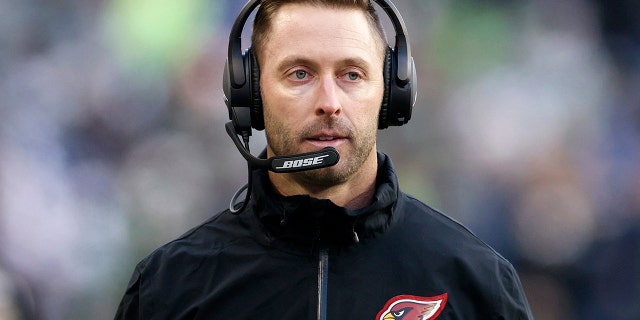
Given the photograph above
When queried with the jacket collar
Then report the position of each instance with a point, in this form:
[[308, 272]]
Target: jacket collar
[[305, 220]]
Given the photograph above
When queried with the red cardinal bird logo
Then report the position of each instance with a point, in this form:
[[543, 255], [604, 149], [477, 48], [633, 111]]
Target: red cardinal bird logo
[[407, 307]]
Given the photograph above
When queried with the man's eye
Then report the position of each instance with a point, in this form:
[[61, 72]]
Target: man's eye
[[353, 76], [300, 74]]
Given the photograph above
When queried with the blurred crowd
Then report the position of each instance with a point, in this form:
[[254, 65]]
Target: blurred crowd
[[526, 129]]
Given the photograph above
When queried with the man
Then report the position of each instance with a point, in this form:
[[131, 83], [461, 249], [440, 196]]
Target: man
[[339, 242]]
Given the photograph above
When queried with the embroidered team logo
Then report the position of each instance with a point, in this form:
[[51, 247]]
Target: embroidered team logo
[[407, 307]]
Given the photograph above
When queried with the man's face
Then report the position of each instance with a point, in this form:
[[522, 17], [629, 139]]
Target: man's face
[[322, 85]]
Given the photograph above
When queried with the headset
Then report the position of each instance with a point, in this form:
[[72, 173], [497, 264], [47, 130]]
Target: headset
[[241, 88], [241, 82]]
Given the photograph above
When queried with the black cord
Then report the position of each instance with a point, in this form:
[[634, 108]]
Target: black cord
[[232, 203]]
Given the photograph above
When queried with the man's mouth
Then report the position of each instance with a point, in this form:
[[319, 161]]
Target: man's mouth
[[326, 137], [326, 140]]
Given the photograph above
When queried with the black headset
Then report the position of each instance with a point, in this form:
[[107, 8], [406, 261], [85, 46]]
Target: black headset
[[241, 82]]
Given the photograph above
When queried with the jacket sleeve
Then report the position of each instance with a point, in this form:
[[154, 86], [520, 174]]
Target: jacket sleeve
[[129, 308]]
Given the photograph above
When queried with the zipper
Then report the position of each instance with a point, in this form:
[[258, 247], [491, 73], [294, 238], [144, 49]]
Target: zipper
[[323, 282]]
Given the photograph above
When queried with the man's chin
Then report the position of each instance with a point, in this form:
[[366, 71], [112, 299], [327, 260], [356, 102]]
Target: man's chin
[[322, 178]]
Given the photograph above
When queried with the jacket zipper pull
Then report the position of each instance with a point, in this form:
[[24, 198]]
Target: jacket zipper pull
[[356, 239]]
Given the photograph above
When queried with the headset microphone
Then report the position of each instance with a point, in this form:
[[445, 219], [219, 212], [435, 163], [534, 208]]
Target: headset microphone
[[326, 157]]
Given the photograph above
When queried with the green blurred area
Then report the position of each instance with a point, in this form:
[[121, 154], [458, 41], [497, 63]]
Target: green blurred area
[[158, 36]]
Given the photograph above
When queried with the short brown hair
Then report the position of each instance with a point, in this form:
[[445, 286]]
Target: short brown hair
[[269, 8]]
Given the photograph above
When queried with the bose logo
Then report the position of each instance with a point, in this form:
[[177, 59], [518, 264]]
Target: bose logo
[[290, 164]]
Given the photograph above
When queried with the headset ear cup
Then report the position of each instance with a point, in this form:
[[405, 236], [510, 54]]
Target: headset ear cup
[[402, 95], [383, 117], [237, 98], [257, 117]]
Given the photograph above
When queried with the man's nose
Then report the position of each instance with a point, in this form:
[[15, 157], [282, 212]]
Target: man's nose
[[328, 102]]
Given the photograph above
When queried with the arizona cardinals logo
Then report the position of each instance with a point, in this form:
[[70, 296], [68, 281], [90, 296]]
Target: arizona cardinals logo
[[413, 308]]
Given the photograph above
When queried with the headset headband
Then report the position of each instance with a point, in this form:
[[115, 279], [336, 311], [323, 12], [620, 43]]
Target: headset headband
[[402, 48]]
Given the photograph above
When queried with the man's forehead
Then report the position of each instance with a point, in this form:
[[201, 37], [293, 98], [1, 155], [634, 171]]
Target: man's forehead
[[300, 22], [321, 30], [302, 14]]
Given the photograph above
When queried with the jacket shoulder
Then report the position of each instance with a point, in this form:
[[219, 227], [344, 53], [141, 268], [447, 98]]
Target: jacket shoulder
[[173, 271], [466, 258], [444, 229], [210, 237]]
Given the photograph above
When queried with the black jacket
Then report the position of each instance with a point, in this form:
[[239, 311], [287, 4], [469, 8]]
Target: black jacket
[[303, 258]]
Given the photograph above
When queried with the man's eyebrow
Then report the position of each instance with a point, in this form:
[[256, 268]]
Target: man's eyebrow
[[356, 61], [291, 61]]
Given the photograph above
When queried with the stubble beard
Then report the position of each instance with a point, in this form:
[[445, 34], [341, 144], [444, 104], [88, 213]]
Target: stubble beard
[[284, 142]]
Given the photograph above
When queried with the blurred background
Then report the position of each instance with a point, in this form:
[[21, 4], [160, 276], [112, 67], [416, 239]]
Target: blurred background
[[526, 129]]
